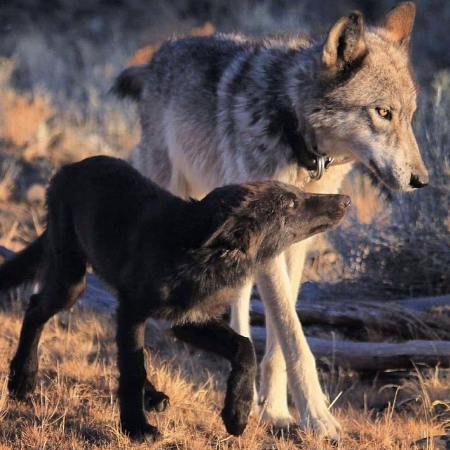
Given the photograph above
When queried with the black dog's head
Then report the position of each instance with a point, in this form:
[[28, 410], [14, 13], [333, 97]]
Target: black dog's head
[[259, 220]]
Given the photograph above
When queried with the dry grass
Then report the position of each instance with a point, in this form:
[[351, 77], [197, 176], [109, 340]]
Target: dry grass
[[37, 126], [74, 405], [23, 116], [7, 172], [144, 54], [367, 200]]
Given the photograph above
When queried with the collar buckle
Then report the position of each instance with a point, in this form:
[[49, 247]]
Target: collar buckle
[[322, 164]]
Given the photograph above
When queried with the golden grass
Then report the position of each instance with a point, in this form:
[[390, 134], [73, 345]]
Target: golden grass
[[23, 116], [144, 54], [32, 126], [74, 405], [7, 184], [367, 199]]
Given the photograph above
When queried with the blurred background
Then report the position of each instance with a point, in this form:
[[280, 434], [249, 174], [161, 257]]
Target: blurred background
[[58, 59]]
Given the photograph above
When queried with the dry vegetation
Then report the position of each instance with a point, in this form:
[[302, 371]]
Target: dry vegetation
[[33, 128], [54, 108], [74, 405]]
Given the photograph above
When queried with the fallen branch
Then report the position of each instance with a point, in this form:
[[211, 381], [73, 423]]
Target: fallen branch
[[370, 356], [391, 318], [96, 296]]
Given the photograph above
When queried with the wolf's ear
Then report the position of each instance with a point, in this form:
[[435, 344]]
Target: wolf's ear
[[398, 23], [345, 43]]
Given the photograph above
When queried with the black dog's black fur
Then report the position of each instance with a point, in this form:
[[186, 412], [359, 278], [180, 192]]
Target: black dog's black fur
[[165, 257]]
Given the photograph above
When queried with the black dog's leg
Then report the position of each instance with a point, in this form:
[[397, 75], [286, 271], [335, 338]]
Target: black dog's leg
[[154, 400], [24, 366], [217, 337], [132, 377], [62, 284]]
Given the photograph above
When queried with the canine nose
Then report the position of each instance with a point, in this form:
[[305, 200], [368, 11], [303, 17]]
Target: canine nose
[[346, 200], [419, 181]]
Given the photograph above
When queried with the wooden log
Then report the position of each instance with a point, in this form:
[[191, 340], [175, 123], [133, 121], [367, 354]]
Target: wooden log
[[96, 296], [370, 356], [388, 317], [426, 304]]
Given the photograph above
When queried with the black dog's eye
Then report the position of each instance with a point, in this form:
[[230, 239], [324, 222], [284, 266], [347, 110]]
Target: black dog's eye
[[290, 204], [384, 113]]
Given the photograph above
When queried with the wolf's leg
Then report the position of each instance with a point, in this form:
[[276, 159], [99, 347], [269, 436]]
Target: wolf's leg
[[217, 337], [240, 322], [240, 310], [63, 282], [273, 389], [295, 259], [132, 375], [275, 287], [273, 393]]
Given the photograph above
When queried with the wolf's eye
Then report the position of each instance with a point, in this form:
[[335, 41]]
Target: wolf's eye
[[384, 113]]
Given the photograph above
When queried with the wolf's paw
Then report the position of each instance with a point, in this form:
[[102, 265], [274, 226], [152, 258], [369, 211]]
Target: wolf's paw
[[156, 401], [324, 425], [277, 415], [21, 383], [146, 433]]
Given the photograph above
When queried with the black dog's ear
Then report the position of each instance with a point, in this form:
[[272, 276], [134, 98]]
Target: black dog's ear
[[236, 238]]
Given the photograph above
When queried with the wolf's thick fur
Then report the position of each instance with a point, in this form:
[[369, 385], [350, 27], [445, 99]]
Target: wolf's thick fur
[[227, 109], [165, 257]]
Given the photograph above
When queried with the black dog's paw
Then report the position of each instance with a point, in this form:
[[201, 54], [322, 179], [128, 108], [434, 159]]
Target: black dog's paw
[[238, 401], [21, 383], [238, 404], [147, 433], [156, 401], [235, 416]]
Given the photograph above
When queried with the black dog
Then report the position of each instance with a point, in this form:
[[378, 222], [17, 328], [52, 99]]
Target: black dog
[[166, 258]]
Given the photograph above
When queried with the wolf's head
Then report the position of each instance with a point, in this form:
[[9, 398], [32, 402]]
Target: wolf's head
[[366, 97]]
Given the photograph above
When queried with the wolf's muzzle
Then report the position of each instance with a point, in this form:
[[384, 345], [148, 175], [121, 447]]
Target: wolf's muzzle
[[419, 181]]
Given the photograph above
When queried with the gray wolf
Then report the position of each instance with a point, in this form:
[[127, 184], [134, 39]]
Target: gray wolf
[[229, 109], [166, 258]]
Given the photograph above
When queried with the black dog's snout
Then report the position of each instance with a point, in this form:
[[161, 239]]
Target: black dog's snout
[[346, 200], [419, 181]]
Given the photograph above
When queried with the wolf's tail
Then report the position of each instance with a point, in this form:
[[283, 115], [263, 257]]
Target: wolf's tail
[[130, 82], [23, 266]]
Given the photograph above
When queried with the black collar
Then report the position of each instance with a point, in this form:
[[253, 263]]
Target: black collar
[[304, 155]]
